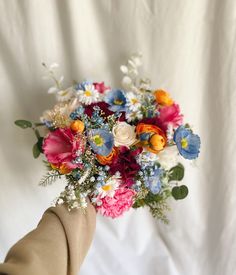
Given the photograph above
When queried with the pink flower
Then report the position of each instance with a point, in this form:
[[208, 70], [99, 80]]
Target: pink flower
[[61, 147], [100, 87], [115, 206], [169, 115]]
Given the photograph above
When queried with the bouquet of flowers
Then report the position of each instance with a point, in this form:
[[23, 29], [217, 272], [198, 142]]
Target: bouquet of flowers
[[119, 148]]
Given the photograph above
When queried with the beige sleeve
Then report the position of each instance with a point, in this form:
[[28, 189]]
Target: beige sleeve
[[57, 246]]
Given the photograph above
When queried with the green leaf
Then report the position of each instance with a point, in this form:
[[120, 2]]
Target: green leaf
[[180, 192], [40, 144], [176, 173], [23, 123], [36, 151], [139, 203]]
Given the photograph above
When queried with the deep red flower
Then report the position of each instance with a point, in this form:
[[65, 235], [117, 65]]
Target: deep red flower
[[102, 105], [126, 164]]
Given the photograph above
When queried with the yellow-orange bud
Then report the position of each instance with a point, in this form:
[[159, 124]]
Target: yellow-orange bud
[[157, 142], [77, 126], [163, 98]]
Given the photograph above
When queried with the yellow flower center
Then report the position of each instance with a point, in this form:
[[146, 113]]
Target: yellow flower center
[[64, 93], [106, 188], [118, 102], [184, 143], [87, 93], [134, 100], [98, 140]]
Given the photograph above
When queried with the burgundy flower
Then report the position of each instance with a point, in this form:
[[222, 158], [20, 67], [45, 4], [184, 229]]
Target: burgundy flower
[[126, 164], [102, 105]]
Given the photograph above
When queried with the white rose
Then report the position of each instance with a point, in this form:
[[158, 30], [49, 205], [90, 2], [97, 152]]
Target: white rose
[[124, 134]]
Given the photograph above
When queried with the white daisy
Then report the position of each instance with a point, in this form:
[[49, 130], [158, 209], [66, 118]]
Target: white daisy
[[133, 101], [110, 187], [131, 116], [89, 95]]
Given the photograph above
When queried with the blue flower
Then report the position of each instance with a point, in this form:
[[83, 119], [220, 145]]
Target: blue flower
[[77, 113], [144, 136], [101, 141], [82, 85], [153, 181], [117, 101], [187, 143]]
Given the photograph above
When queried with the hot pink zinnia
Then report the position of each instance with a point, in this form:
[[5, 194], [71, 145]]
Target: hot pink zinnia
[[100, 87], [170, 115], [116, 206], [61, 147]]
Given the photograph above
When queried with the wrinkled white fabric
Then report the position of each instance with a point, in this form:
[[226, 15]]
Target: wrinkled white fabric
[[188, 49]]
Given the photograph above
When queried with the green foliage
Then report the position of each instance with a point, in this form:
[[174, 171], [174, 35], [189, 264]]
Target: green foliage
[[23, 123], [37, 148], [158, 210], [176, 173], [36, 151], [49, 178], [40, 144], [180, 192], [156, 203]]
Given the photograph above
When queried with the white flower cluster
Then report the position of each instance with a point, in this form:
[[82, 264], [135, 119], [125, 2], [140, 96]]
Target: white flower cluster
[[130, 71]]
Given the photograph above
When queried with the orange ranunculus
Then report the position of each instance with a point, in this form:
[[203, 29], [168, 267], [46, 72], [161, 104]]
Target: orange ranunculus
[[104, 160], [77, 126], [147, 128], [157, 143], [63, 169], [163, 98], [55, 167], [157, 140]]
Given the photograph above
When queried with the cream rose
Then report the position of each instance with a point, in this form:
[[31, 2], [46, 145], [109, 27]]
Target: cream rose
[[124, 134]]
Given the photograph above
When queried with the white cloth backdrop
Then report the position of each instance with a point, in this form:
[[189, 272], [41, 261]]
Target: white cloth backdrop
[[189, 50]]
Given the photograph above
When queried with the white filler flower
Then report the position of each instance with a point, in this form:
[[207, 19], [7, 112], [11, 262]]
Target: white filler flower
[[169, 157]]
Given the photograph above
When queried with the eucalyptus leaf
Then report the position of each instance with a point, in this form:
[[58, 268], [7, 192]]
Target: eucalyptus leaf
[[180, 192], [40, 144], [176, 173], [23, 123], [36, 151]]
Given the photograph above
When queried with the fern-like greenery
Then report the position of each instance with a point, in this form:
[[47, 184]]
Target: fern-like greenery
[[158, 210], [49, 178], [157, 204]]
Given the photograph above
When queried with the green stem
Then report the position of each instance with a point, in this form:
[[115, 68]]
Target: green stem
[[37, 133], [37, 124]]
